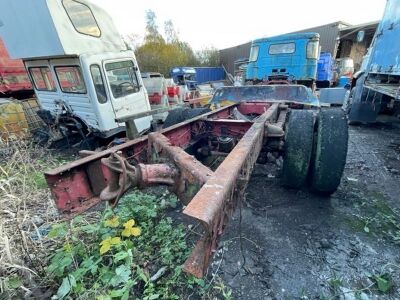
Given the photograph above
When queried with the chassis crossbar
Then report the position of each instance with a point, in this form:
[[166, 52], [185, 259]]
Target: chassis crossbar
[[160, 158]]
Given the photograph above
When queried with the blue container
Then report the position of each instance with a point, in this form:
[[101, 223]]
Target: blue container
[[324, 69], [206, 74], [343, 80]]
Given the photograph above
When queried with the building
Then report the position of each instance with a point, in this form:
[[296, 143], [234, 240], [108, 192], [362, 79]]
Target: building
[[349, 46], [338, 38]]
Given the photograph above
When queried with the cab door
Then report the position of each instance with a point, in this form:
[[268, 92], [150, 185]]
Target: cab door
[[127, 93]]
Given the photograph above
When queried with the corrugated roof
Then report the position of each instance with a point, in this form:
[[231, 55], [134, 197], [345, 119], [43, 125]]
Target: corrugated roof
[[359, 26]]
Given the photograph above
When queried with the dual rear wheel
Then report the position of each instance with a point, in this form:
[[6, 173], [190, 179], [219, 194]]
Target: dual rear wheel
[[315, 149]]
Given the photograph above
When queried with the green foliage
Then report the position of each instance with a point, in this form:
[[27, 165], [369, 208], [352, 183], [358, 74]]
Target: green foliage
[[383, 282], [225, 291], [208, 57], [376, 217], [38, 180], [13, 282], [160, 53], [125, 270]]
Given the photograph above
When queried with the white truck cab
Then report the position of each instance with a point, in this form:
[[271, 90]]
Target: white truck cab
[[77, 62]]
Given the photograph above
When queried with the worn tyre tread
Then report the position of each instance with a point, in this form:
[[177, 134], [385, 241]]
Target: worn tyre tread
[[330, 151], [178, 115], [298, 148]]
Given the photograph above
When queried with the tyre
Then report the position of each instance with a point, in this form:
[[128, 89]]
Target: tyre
[[298, 148], [178, 115], [330, 151], [194, 112], [175, 116]]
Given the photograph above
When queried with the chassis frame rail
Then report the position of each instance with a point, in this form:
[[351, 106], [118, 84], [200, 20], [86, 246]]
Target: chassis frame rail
[[160, 158]]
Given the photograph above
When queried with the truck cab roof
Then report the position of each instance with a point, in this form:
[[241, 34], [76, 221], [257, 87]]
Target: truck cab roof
[[289, 36]]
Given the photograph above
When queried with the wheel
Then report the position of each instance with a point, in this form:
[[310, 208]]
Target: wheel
[[298, 148], [178, 115], [330, 150]]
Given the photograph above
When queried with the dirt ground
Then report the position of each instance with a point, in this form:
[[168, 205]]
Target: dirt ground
[[297, 245]]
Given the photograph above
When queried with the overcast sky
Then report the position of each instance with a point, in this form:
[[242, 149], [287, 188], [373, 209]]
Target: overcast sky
[[224, 23]]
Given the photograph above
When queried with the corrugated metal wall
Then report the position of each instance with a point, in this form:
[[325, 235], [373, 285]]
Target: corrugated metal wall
[[228, 56], [328, 35]]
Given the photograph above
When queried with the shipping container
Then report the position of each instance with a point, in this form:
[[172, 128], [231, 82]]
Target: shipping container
[[207, 74]]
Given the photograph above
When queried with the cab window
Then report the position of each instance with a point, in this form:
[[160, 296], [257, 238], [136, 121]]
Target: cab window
[[313, 49], [286, 48], [81, 18], [254, 53], [122, 78], [98, 83], [42, 78], [70, 79]]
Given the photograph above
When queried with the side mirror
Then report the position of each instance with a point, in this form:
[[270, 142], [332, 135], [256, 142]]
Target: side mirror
[[360, 36]]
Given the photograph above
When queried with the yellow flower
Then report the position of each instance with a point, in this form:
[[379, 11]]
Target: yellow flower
[[67, 247], [107, 243], [113, 222], [130, 230]]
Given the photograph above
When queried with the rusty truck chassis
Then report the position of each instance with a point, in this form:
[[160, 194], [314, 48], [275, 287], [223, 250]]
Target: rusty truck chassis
[[168, 158]]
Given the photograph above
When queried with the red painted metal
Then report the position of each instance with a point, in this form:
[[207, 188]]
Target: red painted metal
[[214, 204], [157, 174], [160, 158], [13, 76], [93, 175], [155, 99], [253, 108]]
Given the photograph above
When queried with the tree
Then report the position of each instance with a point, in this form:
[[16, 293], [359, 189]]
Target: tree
[[171, 35], [160, 53], [208, 57], [152, 34], [132, 40]]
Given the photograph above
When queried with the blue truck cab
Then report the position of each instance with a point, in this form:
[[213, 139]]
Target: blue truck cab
[[184, 76], [290, 57]]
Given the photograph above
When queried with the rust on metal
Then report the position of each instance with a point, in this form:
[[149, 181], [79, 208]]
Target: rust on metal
[[214, 204], [193, 174], [160, 158]]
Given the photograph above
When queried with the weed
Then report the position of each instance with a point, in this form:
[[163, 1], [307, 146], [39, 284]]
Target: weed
[[121, 255], [225, 291], [383, 282], [376, 217], [133, 252]]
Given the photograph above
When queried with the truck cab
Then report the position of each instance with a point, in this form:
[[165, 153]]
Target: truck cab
[[81, 70], [185, 78], [290, 57], [376, 87]]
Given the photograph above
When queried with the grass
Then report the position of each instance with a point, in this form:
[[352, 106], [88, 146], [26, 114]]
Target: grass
[[25, 205], [133, 252], [374, 216]]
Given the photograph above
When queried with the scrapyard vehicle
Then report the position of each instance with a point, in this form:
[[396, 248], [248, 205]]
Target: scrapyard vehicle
[[14, 81], [376, 87], [84, 77], [313, 143], [289, 57]]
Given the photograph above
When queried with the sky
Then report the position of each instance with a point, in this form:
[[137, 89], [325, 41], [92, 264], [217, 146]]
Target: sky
[[224, 23]]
